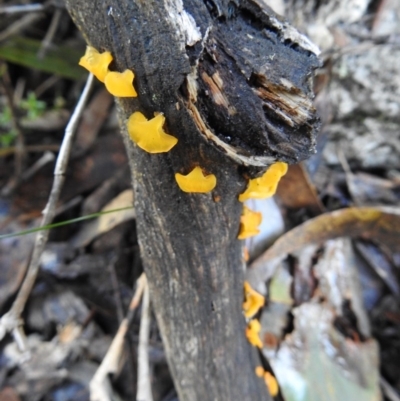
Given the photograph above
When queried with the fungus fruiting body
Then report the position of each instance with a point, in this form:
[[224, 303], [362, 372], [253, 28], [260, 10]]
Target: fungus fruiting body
[[149, 134], [120, 84], [196, 181], [96, 63], [253, 301], [252, 333], [264, 186], [249, 222], [269, 379]]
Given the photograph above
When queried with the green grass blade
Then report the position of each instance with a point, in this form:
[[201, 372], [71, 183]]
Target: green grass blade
[[61, 60], [63, 223]]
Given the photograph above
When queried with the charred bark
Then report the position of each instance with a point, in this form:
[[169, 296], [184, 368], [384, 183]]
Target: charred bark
[[234, 84]]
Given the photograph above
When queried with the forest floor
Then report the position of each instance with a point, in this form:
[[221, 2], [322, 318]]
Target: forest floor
[[327, 258]]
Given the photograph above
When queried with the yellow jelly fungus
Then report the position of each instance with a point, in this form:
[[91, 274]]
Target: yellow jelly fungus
[[96, 63], [264, 186], [271, 383], [269, 379], [249, 222], [120, 84], [196, 181], [252, 333], [253, 301], [149, 134]]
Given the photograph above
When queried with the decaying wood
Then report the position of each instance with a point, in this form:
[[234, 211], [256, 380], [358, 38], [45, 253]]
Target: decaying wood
[[234, 84]]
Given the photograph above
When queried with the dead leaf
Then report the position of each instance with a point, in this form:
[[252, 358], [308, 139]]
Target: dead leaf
[[339, 283], [9, 394], [280, 287], [386, 19], [380, 264], [14, 256], [51, 120], [296, 190], [120, 181], [274, 321], [367, 189], [103, 160], [107, 221], [69, 333], [320, 359], [304, 281], [92, 120], [380, 224], [317, 363], [62, 267]]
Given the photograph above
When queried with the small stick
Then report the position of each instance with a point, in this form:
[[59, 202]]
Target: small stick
[[100, 388], [11, 321], [46, 158], [115, 287], [20, 25], [50, 34], [48, 83], [143, 382], [27, 8], [30, 149], [388, 390]]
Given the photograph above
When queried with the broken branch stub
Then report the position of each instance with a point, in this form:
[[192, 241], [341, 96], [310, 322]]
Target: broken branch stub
[[242, 77], [249, 90]]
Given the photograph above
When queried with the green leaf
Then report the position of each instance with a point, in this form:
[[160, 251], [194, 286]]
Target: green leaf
[[33, 106], [61, 60], [7, 138]]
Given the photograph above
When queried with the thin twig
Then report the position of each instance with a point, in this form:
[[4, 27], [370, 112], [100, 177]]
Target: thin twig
[[47, 84], [11, 321], [20, 25], [100, 387], [143, 382], [26, 8], [46, 158], [19, 90], [50, 34], [115, 287], [388, 390], [30, 149]]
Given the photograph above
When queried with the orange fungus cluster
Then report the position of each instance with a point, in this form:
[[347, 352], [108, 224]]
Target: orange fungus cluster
[[252, 333], [249, 222], [269, 379], [196, 181], [149, 134], [96, 63], [253, 301], [264, 186], [120, 84]]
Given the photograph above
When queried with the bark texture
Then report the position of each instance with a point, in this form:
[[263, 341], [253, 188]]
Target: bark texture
[[234, 84]]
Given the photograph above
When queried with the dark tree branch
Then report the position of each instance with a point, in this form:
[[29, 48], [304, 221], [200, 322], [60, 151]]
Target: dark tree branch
[[234, 84]]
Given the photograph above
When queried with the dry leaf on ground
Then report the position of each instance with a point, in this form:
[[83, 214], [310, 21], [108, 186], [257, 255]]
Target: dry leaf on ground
[[380, 224], [108, 221]]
